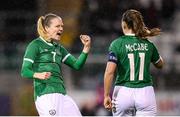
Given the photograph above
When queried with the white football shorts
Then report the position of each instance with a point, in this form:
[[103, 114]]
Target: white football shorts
[[56, 104]]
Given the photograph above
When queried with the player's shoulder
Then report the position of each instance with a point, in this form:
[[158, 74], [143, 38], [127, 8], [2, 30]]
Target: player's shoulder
[[148, 41], [144, 40], [35, 42], [117, 40]]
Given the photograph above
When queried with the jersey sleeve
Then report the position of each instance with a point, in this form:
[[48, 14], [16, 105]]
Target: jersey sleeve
[[65, 54], [112, 54], [28, 60], [72, 62], [155, 55]]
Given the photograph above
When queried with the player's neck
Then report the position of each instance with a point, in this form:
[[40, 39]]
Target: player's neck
[[129, 32]]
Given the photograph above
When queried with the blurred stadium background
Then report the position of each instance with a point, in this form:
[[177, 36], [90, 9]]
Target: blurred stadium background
[[101, 20]]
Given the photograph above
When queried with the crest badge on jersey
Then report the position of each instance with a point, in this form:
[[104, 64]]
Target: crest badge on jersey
[[52, 112]]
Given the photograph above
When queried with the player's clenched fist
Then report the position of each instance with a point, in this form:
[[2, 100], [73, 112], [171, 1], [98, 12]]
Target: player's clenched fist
[[86, 40], [42, 76]]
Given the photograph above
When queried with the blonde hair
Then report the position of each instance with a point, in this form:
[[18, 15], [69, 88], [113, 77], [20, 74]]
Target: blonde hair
[[40, 28], [44, 21], [134, 21]]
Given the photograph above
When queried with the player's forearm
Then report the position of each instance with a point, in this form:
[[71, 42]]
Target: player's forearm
[[80, 61], [108, 78], [76, 63], [27, 71]]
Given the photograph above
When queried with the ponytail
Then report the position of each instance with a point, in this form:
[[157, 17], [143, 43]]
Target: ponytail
[[134, 21], [145, 32], [40, 28]]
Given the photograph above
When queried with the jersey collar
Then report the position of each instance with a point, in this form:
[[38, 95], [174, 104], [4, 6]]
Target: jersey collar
[[50, 44]]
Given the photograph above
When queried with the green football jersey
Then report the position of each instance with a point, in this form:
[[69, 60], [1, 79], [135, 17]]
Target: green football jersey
[[42, 56], [133, 59]]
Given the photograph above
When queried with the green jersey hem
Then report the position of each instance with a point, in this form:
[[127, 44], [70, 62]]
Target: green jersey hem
[[130, 85]]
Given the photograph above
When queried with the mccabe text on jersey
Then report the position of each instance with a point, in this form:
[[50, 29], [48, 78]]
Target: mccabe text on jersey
[[136, 47]]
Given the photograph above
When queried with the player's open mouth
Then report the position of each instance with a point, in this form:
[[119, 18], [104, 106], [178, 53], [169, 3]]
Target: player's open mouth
[[59, 34]]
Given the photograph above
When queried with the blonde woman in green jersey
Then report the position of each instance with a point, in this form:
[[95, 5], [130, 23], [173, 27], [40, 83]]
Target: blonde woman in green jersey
[[42, 63], [130, 57]]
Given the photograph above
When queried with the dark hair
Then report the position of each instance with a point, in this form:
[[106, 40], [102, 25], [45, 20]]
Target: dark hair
[[134, 21]]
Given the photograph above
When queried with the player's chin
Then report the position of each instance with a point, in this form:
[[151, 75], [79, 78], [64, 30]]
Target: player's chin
[[57, 38]]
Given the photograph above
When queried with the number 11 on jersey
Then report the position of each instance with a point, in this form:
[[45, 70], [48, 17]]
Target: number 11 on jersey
[[132, 67]]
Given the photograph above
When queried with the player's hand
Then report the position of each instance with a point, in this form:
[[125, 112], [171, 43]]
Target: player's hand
[[107, 103], [42, 76], [86, 40]]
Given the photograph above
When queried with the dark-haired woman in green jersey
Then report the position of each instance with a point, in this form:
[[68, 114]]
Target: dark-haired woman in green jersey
[[42, 63], [130, 56]]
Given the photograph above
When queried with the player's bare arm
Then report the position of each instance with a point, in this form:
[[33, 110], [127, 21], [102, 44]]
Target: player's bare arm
[[108, 78]]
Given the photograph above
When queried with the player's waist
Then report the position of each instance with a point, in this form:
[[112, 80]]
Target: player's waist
[[134, 85], [46, 88], [50, 80]]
